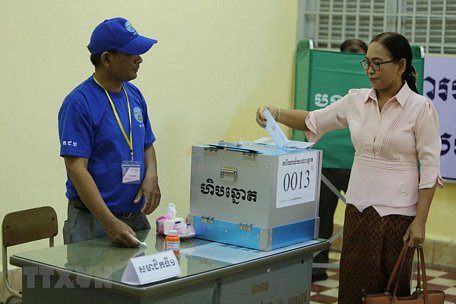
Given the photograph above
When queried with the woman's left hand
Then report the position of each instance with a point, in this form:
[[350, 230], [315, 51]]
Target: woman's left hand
[[415, 233]]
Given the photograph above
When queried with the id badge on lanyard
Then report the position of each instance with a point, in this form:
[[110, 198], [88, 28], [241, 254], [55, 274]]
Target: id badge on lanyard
[[131, 172]]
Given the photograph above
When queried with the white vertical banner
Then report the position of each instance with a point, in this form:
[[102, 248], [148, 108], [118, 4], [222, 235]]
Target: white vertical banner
[[440, 87]]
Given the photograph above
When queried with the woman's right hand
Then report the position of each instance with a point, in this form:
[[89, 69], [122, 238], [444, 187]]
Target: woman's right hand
[[261, 120]]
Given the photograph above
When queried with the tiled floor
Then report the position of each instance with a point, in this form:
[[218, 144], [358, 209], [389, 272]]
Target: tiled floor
[[442, 278]]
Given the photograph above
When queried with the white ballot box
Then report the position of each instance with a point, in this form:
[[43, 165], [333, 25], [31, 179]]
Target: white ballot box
[[255, 195]]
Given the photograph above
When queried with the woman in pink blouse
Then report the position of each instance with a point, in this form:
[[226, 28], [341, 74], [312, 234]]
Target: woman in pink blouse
[[393, 128]]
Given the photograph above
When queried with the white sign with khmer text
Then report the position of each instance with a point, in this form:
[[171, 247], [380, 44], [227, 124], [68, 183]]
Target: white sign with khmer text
[[151, 268]]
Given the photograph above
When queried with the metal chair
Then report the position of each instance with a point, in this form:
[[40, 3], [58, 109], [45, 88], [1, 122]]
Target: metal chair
[[26, 226]]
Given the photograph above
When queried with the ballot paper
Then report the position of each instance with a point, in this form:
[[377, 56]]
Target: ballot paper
[[292, 144], [274, 130]]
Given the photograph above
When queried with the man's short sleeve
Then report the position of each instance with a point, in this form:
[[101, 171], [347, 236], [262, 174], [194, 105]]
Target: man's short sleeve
[[75, 130]]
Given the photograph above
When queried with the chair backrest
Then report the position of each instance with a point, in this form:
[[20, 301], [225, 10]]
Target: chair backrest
[[22, 227], [29, 225]]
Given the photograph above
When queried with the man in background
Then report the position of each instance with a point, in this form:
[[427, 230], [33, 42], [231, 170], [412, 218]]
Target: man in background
[[353, 46]]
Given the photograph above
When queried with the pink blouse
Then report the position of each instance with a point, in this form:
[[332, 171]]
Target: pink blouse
[[388, 146]]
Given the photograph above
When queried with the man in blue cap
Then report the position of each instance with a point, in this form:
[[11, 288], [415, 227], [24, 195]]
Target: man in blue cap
[[106, 141]]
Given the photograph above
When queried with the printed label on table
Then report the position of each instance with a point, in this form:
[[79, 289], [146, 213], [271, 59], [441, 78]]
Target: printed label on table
[[296, 178], [151, 268]]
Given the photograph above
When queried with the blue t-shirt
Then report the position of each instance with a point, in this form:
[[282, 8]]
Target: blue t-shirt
[[89, 129]]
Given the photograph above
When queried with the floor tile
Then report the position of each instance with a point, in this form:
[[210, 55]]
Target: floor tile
[[319, 298], [333, 292], [442, 281], [328, 283], [334, 255], [451, 291], [450, 299], [450, 275], [318, 288], [434, 273]]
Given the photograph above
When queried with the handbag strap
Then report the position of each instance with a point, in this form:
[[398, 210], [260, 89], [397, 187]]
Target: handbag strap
[[422, 264], [420, 277], [398, 276], [399, 263]]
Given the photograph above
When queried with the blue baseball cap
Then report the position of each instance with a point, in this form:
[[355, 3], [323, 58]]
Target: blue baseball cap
[[118, 34]]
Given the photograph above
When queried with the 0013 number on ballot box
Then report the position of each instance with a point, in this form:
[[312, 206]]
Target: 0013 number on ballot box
[[296, 178]]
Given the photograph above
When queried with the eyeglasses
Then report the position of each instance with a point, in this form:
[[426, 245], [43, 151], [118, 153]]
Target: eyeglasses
[[365, 63]]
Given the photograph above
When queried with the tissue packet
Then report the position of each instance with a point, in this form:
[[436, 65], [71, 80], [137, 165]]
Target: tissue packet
[[164, 224], [170, 221]]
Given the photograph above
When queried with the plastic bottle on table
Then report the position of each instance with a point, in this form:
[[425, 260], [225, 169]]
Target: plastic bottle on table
[[172, 241]]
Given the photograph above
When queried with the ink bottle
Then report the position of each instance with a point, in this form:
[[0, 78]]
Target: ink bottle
[[172, 241]]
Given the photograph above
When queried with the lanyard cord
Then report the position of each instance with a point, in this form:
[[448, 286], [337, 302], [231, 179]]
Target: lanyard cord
[[129, 139]]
